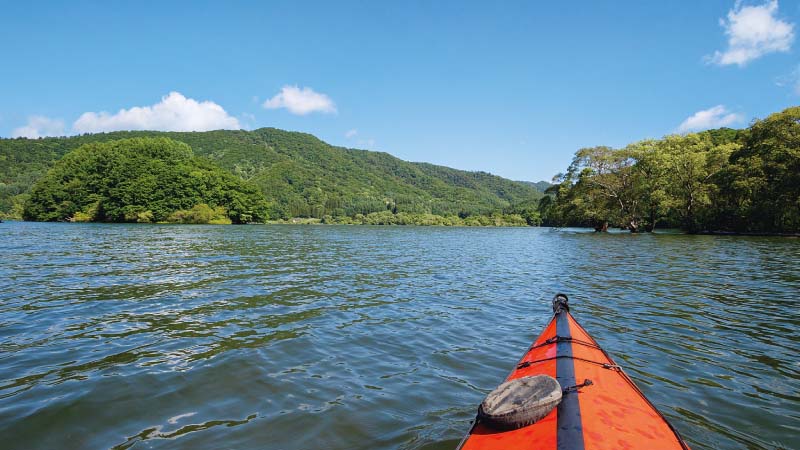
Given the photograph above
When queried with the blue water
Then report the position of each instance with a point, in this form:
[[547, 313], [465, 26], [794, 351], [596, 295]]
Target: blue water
[[299, 337]]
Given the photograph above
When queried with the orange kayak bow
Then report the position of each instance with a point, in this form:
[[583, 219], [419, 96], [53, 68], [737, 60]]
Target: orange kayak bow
[[600, 407]]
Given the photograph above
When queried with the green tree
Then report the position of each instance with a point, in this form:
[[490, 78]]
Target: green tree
[[760, 189], [600, 188], [692, 161]]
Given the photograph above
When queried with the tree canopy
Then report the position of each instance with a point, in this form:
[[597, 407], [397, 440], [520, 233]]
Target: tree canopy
[[717, 180], [141, 180]]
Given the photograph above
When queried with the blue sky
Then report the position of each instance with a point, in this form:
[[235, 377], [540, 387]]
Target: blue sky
[[513, 88]]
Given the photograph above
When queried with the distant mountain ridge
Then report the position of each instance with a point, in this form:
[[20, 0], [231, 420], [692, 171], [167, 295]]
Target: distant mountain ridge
[[299, 174], [540, 185]]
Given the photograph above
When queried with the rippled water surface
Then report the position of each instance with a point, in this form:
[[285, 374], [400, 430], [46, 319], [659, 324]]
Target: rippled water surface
[[300, 337]]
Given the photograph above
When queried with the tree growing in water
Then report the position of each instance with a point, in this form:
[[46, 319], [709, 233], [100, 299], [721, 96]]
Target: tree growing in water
[[716, 180], [600, 189]]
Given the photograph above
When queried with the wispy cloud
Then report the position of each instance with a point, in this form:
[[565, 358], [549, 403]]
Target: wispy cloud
[[753, 31], [370, 143], [173, 113], [40, 126], [248, 121], [363, 142], [301, 101], [791, 80], [715, 117]]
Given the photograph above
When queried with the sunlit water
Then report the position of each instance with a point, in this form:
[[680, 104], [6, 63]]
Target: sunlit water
[[301, 337]]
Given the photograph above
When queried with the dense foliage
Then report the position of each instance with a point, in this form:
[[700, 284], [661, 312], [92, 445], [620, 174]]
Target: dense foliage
[[402, 218], [718, 180], [299, 175], [142, 180]]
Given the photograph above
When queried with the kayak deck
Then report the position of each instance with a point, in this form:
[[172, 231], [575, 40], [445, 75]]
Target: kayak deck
[[610, 412]]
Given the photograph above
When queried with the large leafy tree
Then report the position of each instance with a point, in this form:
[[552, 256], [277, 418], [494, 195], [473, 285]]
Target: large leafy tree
[[690, 163], [600, 188], [651, 168]]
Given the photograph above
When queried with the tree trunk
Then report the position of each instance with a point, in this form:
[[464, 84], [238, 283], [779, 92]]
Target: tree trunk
[[651, 224]]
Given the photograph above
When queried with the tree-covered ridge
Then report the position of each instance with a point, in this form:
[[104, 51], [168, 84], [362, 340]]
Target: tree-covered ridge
[[718, 180], [300, 175], [540, 185], [142, 180]]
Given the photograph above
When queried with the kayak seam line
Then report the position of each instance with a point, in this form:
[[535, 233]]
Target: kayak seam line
[[569, 431]]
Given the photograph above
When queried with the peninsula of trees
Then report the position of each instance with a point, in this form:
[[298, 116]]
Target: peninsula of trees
[[743, 181]]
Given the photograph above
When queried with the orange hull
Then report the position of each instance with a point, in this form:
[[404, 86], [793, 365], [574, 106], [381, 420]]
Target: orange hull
[[610, 414]]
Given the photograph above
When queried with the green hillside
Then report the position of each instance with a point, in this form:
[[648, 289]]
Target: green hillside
[[300, 175], [142, 180], [540, 185]]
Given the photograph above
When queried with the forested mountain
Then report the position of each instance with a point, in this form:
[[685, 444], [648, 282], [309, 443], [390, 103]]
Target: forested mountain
[[540, 185], [300, 175]]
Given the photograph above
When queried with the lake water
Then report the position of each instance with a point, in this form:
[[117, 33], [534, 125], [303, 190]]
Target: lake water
[[301, 337]]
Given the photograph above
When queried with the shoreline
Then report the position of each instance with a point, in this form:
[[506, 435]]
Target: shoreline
[[320, 222], [748, 233]]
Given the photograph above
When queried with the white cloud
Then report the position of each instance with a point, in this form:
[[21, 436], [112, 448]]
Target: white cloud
[[753, 31], [173, 113], [40, 126], [301, 101], [351, 133], [718, 116]]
